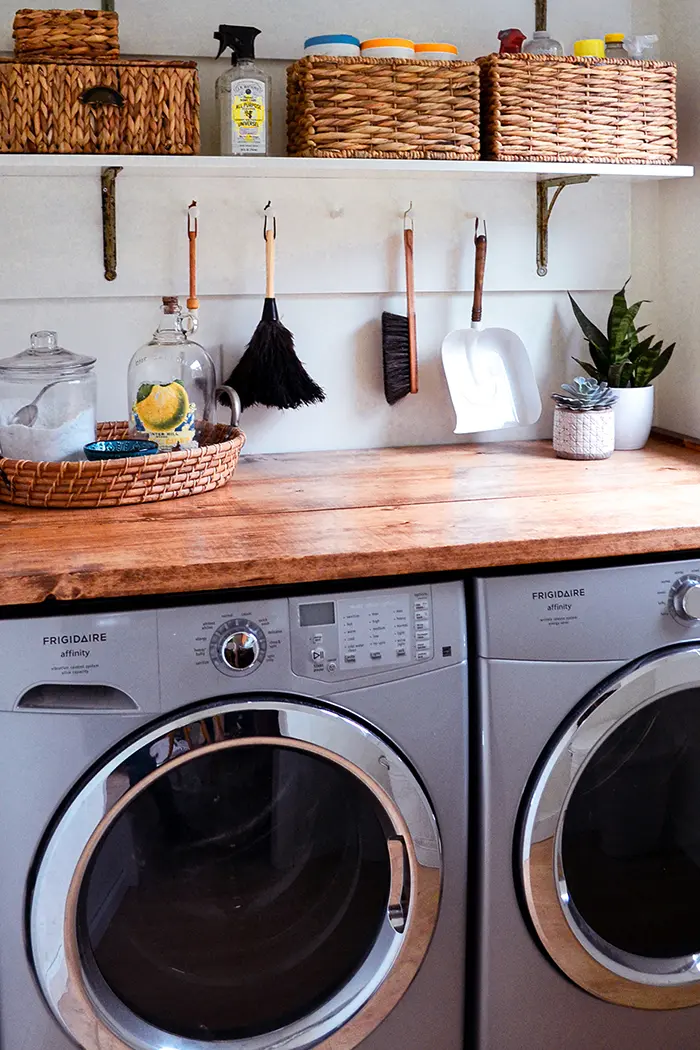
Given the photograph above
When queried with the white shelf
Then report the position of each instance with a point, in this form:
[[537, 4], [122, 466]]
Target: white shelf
[[41, 166]]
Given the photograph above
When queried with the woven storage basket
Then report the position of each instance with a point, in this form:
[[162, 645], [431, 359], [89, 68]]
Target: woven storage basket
[[140, 107], [66, 34], [543, 108], [117, 482], [383, 107]]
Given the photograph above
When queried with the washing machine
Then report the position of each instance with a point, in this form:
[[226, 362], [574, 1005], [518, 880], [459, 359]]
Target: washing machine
[[237, 826], [588, 908]]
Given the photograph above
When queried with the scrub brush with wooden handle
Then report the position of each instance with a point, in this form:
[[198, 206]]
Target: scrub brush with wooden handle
[[399, 342]]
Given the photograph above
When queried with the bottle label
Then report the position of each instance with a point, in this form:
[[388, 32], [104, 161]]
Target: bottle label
[[165, 414], [248, 117]]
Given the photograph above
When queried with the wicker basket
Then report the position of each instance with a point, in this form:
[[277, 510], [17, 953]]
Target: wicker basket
[[66, 34], [383, 107], [125, 106], [119, 482], [543, 108]]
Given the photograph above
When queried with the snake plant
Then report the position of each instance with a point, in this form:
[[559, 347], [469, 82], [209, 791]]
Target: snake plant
[[585, 395], [619, 358]]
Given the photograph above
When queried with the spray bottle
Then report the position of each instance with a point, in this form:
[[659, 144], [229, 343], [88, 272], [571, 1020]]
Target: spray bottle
[[640, 48], [242, 95]]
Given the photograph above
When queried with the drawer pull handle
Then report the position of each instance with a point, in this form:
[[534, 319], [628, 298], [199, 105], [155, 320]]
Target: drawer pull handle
[[102, 96]]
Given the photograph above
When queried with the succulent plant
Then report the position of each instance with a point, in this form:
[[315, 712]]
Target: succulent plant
[[619, 358], [585, 395]]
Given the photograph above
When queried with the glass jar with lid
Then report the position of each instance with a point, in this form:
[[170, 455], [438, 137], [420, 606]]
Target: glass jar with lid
[[172, 383], [48, 399]]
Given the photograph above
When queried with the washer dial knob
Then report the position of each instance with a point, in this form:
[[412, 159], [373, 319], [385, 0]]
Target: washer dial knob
[[238, 647], [684, 599], [240, 650]]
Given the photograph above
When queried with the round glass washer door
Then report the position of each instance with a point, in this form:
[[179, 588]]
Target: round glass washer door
[[250, 874], [610, 838]]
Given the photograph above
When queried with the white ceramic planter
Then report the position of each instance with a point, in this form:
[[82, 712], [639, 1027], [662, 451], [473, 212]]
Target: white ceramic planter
[[634, 412], [583, 435]]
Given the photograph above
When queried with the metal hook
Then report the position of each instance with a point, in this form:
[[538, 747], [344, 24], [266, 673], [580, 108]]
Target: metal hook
[[193, 218], [476, 228], [408, 218], [267, 219]]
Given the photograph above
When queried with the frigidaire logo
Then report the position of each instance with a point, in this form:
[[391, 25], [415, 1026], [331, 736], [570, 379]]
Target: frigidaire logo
[[74, 639], [548, 596]]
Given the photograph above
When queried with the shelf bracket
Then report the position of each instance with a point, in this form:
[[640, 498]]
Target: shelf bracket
[[545, 207], [109, 221]]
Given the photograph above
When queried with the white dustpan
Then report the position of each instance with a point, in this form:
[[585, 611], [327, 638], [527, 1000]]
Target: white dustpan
[[488, 372]]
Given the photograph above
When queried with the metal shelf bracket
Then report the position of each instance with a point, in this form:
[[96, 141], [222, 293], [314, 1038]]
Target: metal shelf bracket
[[545, 207], [109, 221]]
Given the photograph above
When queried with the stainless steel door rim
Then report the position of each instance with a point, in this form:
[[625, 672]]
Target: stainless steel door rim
[[81, 999], [590, 961]]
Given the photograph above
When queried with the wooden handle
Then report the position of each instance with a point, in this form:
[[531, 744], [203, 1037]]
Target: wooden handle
[[481, 245], [270, 264], [411, 310], [193, 301]]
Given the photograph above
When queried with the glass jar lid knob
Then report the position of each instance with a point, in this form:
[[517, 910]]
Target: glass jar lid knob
[[43, 342]]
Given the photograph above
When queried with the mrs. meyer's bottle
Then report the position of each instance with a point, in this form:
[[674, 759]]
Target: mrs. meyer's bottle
[[243, 96]]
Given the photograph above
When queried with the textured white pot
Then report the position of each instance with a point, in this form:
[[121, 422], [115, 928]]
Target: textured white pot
[[634, 412], [583, 435]]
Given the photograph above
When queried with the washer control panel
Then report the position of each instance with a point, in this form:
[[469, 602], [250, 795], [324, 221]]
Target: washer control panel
[[353, 635], [238, 647]]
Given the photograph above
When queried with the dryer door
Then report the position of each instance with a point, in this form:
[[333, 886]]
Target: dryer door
[[610, 837], [249, 874]]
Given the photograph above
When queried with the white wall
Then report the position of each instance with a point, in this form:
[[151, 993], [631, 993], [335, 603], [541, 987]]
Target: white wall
[[679, 387], [336, 274]]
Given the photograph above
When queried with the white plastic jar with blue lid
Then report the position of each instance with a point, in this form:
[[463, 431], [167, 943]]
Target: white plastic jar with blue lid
[[340, 45]]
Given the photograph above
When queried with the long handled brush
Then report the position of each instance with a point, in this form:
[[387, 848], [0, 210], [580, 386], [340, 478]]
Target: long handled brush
[[270, 373], [399, 342], [192, 234]]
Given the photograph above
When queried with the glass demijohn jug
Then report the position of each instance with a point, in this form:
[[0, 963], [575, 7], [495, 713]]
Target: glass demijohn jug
[[172, 383]]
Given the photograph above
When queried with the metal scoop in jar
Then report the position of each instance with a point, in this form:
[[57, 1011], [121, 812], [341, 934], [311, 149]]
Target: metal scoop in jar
[[28, 414]]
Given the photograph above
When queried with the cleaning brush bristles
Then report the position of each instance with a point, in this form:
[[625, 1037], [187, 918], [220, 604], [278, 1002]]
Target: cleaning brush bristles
[[395, 357]]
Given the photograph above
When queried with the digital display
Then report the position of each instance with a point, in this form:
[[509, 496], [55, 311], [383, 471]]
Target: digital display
[[319, 615]]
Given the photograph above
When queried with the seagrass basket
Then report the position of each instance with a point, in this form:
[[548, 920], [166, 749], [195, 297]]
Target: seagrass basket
[[544, 108], [120, 482], [83, 106], [66, 34], [383, 107]]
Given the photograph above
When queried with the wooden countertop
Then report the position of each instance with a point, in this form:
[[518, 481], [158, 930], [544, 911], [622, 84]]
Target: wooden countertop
[[299, 518]]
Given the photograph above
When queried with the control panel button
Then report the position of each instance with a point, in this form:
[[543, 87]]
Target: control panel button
[[421, 606], [422, 647], [318, 655], [421, 616], [332, 666], [400, 652], [422, 636], [317, 639], [350, 658], [375, 656], [422, 656]]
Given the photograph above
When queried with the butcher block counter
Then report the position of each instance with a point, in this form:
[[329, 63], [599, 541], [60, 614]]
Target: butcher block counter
[[303, 517]]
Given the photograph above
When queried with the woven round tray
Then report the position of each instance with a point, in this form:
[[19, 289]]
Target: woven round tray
[[116, 482]]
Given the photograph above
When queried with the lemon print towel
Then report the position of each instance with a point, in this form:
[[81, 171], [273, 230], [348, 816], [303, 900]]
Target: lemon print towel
[[165, 413]]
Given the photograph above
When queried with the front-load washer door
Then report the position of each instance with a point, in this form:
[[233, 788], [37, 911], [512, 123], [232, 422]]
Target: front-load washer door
[[252, 873], [609, 849]]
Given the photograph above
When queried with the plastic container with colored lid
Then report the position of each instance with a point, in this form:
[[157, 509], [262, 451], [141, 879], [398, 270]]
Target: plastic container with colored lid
[[437, 52], [341, 45], [589, 49], [388, 47]]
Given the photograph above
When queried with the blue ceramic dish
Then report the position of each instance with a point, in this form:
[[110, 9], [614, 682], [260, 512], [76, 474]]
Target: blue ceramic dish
[[119, 449]]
